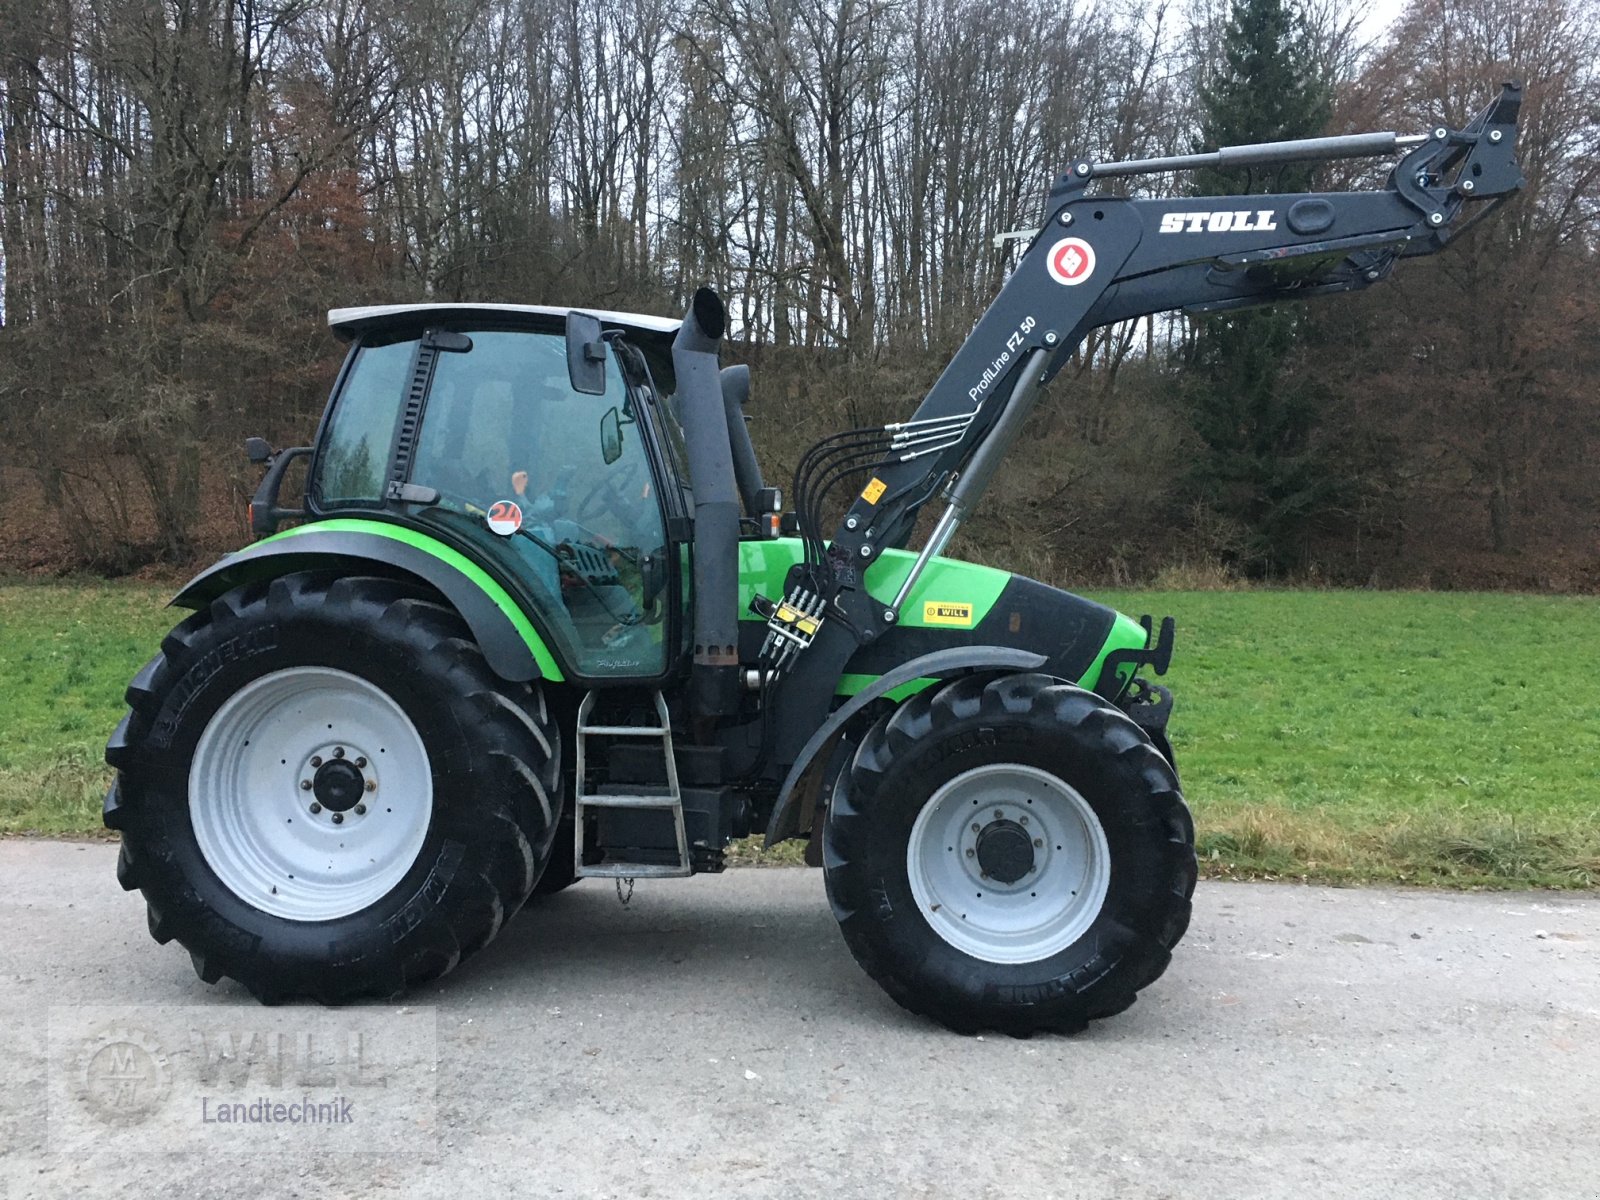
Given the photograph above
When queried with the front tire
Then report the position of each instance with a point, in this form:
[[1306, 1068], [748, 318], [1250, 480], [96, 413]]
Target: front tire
[[324, 791], [1010, 853]]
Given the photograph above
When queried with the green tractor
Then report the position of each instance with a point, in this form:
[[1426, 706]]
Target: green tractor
[[541, 619]]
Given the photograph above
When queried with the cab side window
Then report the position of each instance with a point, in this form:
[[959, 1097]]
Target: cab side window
[[355, 454]]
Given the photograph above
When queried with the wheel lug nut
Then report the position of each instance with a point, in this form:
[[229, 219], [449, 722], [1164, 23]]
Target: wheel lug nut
[[361, 810], [1024, 820], [338, 751], [315, 808], [970, 853], [372, 785], [1038, 842], [976, 828], [338, 818], [361, 762], [316, 760], [999, 813], [305, 785]]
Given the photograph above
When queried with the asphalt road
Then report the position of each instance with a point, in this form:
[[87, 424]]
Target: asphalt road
[[716, 1038]]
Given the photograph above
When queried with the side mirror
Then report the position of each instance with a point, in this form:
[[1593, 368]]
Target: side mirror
[[258, 450], [586, 355], [611, 435]]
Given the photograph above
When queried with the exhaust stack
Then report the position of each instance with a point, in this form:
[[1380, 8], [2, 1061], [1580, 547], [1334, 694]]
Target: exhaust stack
[[714, 682]]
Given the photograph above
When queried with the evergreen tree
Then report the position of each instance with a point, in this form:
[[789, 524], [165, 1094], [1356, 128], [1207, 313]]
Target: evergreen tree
[[1258, 472]]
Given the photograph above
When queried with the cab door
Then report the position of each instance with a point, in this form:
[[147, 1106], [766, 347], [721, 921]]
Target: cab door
[[554, 492]]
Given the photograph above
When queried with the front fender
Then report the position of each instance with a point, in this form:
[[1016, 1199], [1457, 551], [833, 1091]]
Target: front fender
[[958, 660], [509, 642]]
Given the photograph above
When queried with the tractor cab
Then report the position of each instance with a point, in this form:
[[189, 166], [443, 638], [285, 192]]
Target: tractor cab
[[467, 424]]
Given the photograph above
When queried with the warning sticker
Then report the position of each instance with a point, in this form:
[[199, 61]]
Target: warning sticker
[[873, 492], [1071, 261], [504, 517], [938, 612]]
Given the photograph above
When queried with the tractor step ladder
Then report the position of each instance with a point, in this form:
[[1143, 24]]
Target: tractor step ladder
[[672, 800]]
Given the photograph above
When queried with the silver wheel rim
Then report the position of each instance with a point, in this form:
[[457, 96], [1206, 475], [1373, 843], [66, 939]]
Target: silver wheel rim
[[1032, 917], [310, 793]]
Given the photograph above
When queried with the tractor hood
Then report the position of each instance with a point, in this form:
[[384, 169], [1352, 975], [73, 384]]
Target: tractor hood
[[960, 604]]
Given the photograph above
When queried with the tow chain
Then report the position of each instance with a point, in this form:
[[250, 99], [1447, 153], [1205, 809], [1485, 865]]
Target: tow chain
[[621, 899]]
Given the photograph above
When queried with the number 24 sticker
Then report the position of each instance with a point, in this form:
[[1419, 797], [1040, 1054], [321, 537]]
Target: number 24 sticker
[[504, 517]]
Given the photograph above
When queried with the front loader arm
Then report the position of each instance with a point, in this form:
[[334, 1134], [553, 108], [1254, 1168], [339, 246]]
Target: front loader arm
[[1103, 259], [1097, 260]]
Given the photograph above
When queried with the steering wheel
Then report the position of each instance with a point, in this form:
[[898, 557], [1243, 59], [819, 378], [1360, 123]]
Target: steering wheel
[[615, 490]]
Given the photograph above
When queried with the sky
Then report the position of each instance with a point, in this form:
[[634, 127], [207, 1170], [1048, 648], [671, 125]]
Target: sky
[[1381, 14]]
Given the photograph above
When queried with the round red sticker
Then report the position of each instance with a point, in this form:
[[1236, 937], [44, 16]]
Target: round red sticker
[[504, 518], [1071, 261]]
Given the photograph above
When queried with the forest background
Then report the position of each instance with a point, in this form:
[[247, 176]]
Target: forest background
[[187, 185]]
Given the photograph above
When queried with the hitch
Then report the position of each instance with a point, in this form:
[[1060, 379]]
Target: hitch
[[1481, 158], [1157, 655]]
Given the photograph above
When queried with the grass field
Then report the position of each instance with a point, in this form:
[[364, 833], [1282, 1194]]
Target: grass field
[[1441, 738]]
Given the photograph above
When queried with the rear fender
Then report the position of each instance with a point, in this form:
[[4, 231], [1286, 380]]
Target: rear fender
[[509, 642]]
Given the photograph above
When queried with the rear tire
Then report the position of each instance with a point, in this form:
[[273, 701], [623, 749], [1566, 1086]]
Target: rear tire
[[324, 791], [1010, 853], [560, 872]]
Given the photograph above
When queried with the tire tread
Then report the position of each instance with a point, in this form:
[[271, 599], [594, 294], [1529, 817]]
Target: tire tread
[[1092, 727], [507, 831]]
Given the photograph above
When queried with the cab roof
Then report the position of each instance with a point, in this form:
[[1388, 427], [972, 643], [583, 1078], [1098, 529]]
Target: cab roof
[[347, 322], [653, 335]]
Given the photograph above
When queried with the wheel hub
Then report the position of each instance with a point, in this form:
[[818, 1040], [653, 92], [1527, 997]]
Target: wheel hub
[[338, 785], [1005, 851], [310, 793], [1008, 863]]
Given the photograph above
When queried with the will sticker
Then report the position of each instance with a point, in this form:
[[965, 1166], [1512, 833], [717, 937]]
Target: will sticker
[[1071, 261], [939, 612], [873, 492], [504, 517]]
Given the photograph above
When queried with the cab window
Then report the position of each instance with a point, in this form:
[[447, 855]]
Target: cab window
[[528, 468], [355, 451]]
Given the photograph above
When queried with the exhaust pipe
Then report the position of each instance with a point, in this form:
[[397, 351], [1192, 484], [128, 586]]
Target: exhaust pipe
[[746, 471], [714, 681]]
